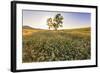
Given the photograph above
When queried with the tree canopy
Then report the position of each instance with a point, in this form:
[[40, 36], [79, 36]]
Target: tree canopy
[[55, 22]]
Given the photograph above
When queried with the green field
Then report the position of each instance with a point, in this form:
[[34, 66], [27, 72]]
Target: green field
[[49, 45]]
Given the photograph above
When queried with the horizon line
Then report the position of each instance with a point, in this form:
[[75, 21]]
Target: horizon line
[[58, 28]]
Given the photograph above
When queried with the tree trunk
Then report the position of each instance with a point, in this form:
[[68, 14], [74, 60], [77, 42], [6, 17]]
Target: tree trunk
[[56, 29], [49, 28]]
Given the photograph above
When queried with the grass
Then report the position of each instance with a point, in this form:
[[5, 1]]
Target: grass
[[61, 45]]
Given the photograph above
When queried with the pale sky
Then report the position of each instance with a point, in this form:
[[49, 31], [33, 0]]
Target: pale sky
[[38, 19]]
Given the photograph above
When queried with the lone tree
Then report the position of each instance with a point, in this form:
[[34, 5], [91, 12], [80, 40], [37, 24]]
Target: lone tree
[[55, 22], [58, 21]]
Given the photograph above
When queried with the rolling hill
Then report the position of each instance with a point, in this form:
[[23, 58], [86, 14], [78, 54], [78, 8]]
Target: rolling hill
[[46, 45]]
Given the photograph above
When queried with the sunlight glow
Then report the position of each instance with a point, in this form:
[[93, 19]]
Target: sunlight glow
[[38, 19]]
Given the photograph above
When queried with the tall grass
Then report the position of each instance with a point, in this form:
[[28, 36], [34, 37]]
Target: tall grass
[[46, 45]]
